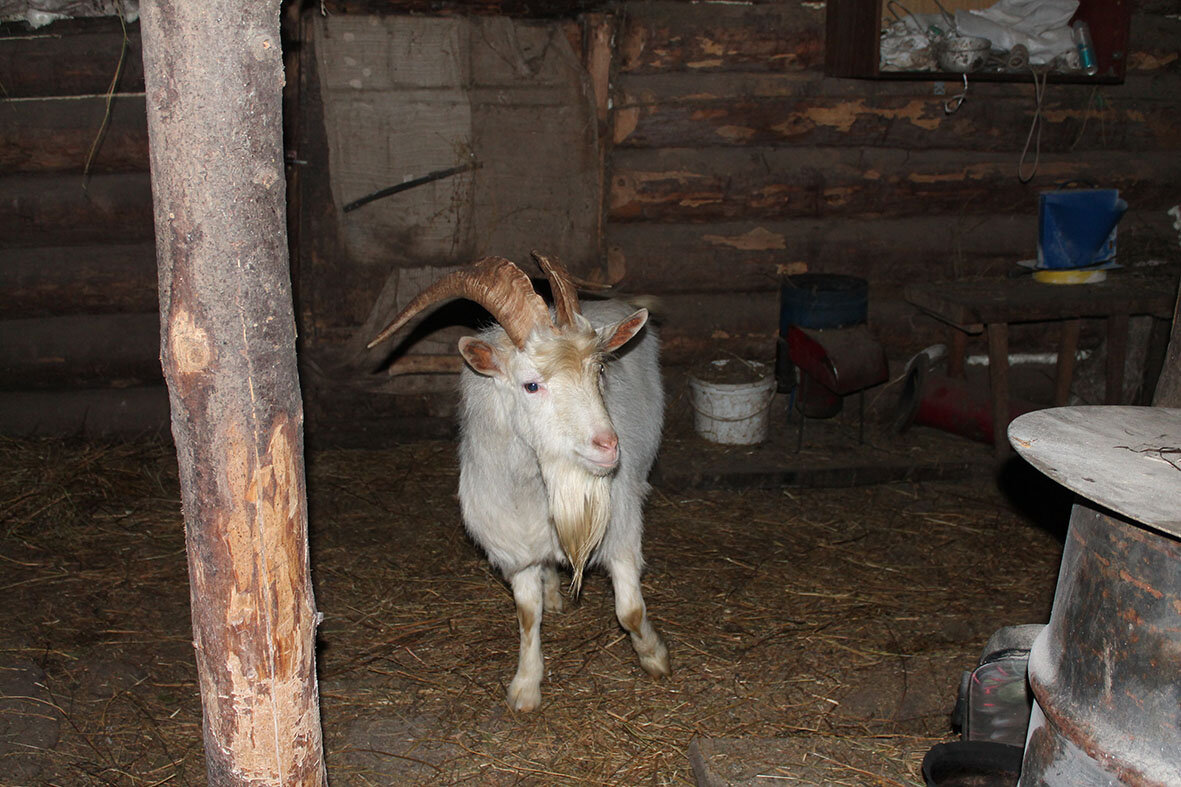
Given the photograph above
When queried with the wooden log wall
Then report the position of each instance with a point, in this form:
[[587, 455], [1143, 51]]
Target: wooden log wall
[[79, 329], [735, 159], [729, 157]]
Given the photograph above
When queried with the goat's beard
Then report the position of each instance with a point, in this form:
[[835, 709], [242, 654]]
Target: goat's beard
[[580, 506]]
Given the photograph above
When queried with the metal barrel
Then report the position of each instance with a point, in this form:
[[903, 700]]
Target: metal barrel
[[1106, 671]]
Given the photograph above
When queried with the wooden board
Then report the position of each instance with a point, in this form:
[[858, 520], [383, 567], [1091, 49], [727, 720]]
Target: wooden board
[[1024, 300], [1127, 459]]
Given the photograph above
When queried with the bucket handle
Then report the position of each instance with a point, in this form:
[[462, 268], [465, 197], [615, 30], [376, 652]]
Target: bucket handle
[[765, 406]]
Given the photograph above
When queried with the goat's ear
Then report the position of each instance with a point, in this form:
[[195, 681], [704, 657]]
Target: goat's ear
[[612, 337], [481, 356]]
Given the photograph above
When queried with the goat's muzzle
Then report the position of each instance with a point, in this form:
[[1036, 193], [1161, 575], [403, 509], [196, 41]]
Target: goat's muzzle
[[604, 452]]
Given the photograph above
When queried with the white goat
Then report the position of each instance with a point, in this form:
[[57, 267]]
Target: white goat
[[559, 431]]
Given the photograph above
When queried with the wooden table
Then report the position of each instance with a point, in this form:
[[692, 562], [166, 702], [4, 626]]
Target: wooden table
[[991, 305]]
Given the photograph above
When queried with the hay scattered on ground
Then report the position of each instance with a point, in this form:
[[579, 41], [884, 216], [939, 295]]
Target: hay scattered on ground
[[831, 614]]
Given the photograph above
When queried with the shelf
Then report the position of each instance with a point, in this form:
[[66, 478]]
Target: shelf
[[853, 40]]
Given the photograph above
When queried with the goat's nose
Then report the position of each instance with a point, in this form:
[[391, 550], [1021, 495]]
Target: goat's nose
[[607, 442]]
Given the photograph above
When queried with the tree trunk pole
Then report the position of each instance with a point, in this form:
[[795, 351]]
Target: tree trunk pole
[[214, 76]]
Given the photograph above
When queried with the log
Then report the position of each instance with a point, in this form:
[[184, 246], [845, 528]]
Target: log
[[56, 134], [55, 280], [745, 256], [749, 256], [214, 73], [67, 210], [537, 9], [665, 36], [700, 326], [71, 57], [116, 350], [746, 110], [86, 413], [719, 184]]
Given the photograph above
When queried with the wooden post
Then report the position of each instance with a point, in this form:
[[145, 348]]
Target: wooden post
[[214, 75], [1068, 333], [998, 380], [1168, 387]]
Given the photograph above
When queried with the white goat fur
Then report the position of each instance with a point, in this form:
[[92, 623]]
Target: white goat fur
[[523, 459]]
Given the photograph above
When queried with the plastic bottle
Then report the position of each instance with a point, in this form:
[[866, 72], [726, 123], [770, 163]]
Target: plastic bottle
[[1081, 34]]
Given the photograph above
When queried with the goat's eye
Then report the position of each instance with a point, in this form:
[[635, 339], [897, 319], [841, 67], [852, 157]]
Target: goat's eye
[[532, 387]]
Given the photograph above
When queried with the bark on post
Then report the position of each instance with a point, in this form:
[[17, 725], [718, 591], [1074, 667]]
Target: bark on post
[[213, 77]]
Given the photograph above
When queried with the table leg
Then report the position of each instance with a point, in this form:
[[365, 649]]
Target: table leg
[[1067, 350], [998, 378], [955, 360], [1117, 351], [1154, 359]]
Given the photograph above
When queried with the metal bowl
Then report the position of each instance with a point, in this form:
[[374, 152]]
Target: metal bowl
[[962, 54]]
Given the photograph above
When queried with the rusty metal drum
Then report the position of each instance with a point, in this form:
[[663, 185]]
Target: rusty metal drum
[[1106, 670]]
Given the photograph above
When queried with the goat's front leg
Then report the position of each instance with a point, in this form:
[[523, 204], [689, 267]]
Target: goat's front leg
[[633, 616], [524, 693]]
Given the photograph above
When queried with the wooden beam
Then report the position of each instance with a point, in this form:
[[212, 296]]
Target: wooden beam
[[736, 109], [67, 210], [214, 77], [749, 255], [663, 36], [753, 183], [72, 57], [86, 413], [50, 134], [44, 281], [80, 350]]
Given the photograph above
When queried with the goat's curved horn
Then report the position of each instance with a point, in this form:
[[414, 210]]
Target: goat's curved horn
[[562, 284], [496, 284]]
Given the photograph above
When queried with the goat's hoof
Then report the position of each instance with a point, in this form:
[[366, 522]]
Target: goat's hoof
[[656, 662], [524, 696]]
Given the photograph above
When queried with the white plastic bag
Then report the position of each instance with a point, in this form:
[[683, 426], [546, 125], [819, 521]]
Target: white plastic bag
[[1041, 26]]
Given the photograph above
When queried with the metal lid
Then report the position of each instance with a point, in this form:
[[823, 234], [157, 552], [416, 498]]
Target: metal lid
[[1127, 459]]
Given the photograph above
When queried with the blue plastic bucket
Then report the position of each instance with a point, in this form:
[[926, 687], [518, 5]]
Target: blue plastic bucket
[[1077, 228]]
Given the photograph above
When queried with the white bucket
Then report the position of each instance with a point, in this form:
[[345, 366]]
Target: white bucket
[[733, 413]]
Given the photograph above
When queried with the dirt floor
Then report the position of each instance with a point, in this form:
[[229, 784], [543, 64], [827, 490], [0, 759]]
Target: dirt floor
[[839, 617]]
